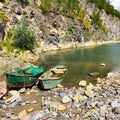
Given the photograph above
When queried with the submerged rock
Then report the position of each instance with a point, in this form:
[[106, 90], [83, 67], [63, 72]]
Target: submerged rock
[[94, 74], [102, 64]]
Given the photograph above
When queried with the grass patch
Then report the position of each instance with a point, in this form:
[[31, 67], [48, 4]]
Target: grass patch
[[3, 17]]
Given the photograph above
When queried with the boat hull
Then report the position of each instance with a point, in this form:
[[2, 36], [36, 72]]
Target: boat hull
[[52, 77], [49, 84], [18, 85], [24, 77]]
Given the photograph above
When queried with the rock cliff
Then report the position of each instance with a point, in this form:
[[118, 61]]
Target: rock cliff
[[56, 31]]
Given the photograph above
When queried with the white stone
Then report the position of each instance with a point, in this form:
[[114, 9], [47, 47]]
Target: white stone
[[82, 83], [103, 110], [15, 95], [90, 86], [60, 86], [47, 102], [109, 75], [22, 90], [99, 80], [54, 114], [1, 5], [22, 114], [66, 99], [89, 93], [115, 104], [34, 102], [61, 107], [75, 98], [102, 64], [94, 74], [30, 110], [4, 106]]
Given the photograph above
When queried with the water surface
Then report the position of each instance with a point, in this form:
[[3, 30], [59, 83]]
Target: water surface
[[82, 61]]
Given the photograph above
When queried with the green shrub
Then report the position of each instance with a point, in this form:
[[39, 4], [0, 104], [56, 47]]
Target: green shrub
[[9, 35], [73, 8], [3, 17], [24, 37], [8, 42], [69, 8], [8, 45], [46, 6], [96, 20], [106, 6]]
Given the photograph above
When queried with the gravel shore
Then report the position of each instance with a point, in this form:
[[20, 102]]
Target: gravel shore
[[87, 102]]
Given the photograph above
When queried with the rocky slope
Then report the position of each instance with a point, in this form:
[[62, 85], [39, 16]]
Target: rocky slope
[[58, 30], [55, 31]]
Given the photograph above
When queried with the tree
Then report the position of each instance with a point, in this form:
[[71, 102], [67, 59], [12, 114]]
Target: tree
[[105, 5], [24, 37], [96, 19]]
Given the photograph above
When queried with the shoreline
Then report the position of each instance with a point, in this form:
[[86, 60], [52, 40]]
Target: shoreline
[[88, 101], [22, 60], [73, 45]]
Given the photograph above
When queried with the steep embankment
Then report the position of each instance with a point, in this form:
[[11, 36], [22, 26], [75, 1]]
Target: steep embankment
[[60, 27], [57, 30]]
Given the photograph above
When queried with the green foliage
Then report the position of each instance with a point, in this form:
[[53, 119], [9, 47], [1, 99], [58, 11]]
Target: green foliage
[[104, 28], [9, 35], [8, 42], [69, 8], [24, 37], [96, 20], [8, 45], [3, 17], [66, 7], [46, 6], [73, 8], [105, 5]]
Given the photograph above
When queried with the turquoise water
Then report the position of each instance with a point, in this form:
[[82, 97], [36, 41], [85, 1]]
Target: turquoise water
[[80, 62]]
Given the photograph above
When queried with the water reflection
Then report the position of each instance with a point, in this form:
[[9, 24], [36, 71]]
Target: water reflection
[[81, 62]]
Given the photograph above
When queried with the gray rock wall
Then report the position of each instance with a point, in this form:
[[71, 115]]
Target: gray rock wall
[[54, 29]]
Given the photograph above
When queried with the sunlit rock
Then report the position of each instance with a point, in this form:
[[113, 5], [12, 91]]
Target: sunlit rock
[[102, 64], [94, 74], [66, 99], [82, 83], [109, 75], [22, 114], [89, 93]]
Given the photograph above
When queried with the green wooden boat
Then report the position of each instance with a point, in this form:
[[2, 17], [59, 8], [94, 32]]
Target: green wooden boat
[[52, 77], [24, 77]]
